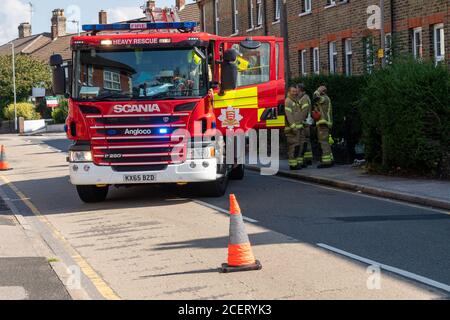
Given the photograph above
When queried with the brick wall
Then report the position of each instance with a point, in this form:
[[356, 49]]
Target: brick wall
[[346, 19]]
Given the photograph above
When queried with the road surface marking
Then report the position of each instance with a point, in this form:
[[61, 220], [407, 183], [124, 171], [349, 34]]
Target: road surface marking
[[96, 280], [395, 270], [222, 210]]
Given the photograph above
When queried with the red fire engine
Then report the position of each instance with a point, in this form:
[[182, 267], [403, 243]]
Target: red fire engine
[[133, 86]]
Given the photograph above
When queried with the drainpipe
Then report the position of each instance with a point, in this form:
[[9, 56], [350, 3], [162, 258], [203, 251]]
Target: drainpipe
[[284, 35], [266, 28]]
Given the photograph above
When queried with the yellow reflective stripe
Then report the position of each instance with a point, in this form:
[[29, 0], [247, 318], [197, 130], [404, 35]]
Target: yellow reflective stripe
[[278, 122], [306, 105], [239, 98], [322, 122], [299, 126], [288, 109]]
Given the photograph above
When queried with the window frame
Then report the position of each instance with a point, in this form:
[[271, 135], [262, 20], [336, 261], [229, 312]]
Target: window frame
[[251, 18], [332, 57], [111, 80], [441, 29], [216, 17], [316, 60], [259, 14], [234, 18], [303, 64], [348, 56], [417, 32]]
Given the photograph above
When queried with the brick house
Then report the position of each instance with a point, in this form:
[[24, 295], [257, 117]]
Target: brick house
[[332, 36]]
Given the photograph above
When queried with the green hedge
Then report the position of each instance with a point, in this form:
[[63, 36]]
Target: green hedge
[[406, 119], [59, 114]]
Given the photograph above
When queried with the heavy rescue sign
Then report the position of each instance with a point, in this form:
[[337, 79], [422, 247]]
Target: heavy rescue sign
[[129, 42]]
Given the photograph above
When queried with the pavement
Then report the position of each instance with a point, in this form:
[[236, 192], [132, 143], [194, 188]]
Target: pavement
[[152, 242], [426, 192], [24, 273]]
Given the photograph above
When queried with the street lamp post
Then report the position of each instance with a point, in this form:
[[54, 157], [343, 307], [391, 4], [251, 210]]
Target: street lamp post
[[14, 84]]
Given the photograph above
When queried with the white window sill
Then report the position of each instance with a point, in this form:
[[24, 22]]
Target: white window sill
[[250, 30], [258, 27], [303, 14], [276, 22], [234, 34], [330, 6]]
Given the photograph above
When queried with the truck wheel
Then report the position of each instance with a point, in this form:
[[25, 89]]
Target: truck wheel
[[215, 188], [237, 173], [91, 194]]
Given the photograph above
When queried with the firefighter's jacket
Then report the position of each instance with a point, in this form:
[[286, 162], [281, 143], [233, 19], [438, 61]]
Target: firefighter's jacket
[[305, 107], [323, 105], [293, 114]]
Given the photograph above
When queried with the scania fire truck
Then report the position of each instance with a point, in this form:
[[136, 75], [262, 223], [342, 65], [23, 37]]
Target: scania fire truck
[[133, 86]]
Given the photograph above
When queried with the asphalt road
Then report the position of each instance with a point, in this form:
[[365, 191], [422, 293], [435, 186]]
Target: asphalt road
[[411, 238]]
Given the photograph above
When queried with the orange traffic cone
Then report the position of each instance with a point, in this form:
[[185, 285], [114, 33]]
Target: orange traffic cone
[[3, 163], [240, 254]]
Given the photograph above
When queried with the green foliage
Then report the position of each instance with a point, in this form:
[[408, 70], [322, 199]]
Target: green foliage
[[30, 73], [24, 109], [59, 114], [406, 118], [344, 93]]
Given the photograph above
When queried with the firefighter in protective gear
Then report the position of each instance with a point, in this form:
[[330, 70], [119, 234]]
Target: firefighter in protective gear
[[305, 102], [305, 106], [293, 126], [324, 124]]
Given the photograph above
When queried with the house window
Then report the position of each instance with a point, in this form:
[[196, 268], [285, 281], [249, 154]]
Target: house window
[[277, 10], [348, 57], [439, 43], [111, 80], [303, 65], [332, 56], [417, 43], [316, 60], [251, 23], [306, 6], [388, 48], [216, 16], [369, 54], [234, 17], [259, 12], [331, 2]]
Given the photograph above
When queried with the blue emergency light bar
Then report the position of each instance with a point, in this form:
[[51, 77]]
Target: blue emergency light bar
[[139, 26]]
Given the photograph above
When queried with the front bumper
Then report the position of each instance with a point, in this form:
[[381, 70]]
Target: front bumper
[[204, 170]]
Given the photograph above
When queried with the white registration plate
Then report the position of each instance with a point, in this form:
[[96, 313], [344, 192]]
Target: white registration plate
[[139, 178]]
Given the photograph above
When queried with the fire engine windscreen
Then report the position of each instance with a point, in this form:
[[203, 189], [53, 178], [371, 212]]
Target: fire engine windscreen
[[139, 74]]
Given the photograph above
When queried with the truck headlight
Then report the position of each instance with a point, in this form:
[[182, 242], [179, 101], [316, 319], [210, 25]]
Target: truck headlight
[[201, 153], [80, 156]]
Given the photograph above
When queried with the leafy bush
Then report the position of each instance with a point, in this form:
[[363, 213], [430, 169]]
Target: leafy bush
[[24, 109], [406, 119], [59, 114]]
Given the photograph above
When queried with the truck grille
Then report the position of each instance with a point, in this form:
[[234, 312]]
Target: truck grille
[[128, 142]]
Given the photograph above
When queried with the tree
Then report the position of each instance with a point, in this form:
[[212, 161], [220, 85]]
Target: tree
[[30, 73]]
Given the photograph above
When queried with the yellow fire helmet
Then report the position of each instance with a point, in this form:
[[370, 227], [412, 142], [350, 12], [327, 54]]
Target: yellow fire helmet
[[193, 57]]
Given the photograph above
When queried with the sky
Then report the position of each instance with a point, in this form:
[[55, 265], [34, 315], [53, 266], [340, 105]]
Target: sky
[[14, 12]]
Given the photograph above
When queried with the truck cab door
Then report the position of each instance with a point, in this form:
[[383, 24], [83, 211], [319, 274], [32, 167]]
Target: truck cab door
[[258, 86]]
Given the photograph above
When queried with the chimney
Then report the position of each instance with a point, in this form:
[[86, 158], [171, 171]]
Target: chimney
[[24, 30], [102, 17], [58, 23], [180, 4]]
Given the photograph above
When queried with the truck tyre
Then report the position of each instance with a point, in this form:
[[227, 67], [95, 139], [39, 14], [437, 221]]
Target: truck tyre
[[215, 188], [92, 194], [238, 172]]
